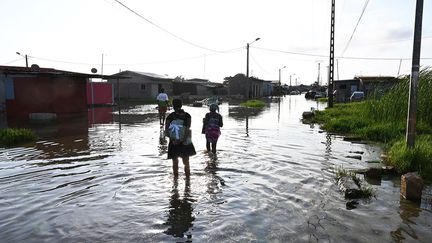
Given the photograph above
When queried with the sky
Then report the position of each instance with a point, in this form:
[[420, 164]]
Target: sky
[[207, 39]]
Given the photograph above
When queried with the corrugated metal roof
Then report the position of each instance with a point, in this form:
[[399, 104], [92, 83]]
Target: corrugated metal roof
[[15, 70], [147, 74]]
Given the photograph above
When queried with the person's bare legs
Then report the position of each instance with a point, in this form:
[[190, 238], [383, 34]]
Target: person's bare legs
[[175, 167], [214, 147], [208, 146], [186, 166]]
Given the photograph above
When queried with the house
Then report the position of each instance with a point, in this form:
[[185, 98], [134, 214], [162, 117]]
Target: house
[[141, 85], [27, 92], [370, 85], [198, 88], [244, 87]]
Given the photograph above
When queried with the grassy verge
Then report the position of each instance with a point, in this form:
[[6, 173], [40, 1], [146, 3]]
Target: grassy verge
[[383, 119], [253, 104], [15, 136]]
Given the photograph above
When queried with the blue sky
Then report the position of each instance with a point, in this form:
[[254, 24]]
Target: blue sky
[[207, 39]]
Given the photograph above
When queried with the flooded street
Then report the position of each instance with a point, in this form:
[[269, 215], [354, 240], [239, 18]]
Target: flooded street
[[95, 180]]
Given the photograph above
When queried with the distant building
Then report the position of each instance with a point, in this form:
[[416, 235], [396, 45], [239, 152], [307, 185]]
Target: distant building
[[141, 85], [26, 91], [198, 88], [370, 85], [246, 88]]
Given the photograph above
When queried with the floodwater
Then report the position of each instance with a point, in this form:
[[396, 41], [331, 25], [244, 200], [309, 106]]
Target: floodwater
[[98, 180]]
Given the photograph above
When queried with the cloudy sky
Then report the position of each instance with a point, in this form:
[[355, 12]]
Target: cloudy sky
[[207, 39]]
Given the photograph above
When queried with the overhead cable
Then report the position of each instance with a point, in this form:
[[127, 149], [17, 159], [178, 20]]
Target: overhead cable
[[355, 28], [135, 64], [165, 30], [339, 57]]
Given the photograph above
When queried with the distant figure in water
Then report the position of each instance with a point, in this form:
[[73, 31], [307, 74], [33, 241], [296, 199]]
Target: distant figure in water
[[177, 128], [212, 123], [162, 100]]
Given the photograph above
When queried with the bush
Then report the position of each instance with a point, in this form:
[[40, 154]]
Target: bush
[[253, 104], [14, 136]]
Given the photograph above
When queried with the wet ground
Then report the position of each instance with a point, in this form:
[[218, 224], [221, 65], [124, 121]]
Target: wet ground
[[105, 178]]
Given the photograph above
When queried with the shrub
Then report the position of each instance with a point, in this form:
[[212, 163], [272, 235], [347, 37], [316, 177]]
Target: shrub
[[14, 136], [253, 104]]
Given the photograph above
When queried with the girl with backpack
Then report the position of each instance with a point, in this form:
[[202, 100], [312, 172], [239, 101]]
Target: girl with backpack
[[177, 128], [212, 123]]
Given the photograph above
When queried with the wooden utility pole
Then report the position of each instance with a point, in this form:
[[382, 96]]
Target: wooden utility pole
[[331, 62], [412, 105]]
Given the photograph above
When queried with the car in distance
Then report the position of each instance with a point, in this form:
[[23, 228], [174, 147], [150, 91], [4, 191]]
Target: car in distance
[[357, 96]]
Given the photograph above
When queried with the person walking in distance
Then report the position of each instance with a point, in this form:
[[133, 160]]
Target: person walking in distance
[[177, 128], [162, 100], [212, 123]]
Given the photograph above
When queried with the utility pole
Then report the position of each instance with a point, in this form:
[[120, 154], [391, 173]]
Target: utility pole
[[318, 78], [25, 56], [331, 62], [412, 105], [247, 56], [102, 65], [247, 60]]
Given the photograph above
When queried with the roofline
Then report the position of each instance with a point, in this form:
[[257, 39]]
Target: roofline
[[13, 70]]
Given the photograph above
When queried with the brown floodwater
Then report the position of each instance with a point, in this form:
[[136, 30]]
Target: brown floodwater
[[105, 178]]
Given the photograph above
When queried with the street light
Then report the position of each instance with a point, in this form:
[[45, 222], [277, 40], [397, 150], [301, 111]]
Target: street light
[[247, 56], [280, 74], [290, 78], [26, 58]]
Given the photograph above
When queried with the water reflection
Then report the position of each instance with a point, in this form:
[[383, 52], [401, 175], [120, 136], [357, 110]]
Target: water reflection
[[277, 179], [214, 180], [163, 148], [244, 113], [408, 211], [180, 218]]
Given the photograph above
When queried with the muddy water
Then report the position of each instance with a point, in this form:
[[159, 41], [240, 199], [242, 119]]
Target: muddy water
[[98, 180]]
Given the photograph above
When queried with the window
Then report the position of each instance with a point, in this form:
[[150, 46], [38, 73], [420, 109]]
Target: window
[[142, 86], [342, 86]]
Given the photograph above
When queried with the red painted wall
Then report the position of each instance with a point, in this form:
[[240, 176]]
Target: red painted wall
[[102, 93], [61, 95]]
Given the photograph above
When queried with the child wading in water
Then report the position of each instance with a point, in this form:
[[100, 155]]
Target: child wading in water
[[177, 128], [212, 123]]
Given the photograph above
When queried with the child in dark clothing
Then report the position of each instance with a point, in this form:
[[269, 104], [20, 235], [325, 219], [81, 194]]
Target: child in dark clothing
[[212, 123], [177, 128]]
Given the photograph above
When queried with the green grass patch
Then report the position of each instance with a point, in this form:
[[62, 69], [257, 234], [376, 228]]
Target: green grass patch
[[15, 136], [383, 117], [322, 99], [419, 158], [253, 104]]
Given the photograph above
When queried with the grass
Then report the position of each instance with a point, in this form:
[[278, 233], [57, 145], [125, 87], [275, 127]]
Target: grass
[[383, 118], [253, 104], [15, 136], [322, 99]]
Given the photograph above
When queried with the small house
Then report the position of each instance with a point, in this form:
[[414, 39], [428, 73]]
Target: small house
[[43, 92], [198, 88], [370, 85], [244, 87], [141, 85]]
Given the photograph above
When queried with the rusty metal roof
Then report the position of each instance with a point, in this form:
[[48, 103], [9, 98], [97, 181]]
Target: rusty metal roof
[[37, 71]]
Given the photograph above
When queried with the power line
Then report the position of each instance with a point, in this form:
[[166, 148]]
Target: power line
[[163, 29], [14, 61], [355, 28], [135, 64], [339, 57]]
